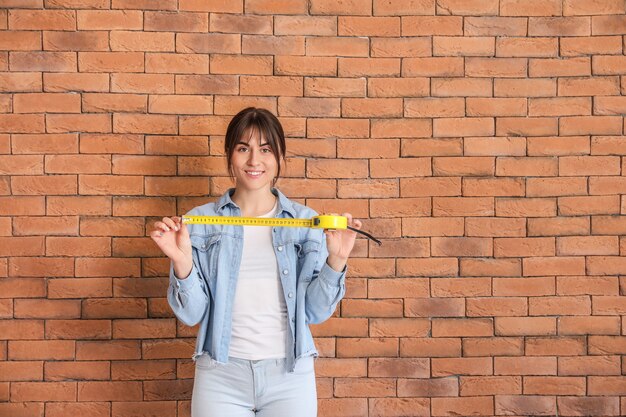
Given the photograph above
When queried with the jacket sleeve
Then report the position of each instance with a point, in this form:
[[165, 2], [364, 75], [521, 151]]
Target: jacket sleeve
[[189, 297], [326, 289]]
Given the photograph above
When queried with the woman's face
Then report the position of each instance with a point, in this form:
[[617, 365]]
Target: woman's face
[[253, 162]]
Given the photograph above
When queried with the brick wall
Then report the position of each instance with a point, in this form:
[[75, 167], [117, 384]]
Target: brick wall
[[482, 140]]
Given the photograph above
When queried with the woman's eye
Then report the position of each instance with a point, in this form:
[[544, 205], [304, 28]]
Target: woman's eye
[[242, 149], [266, 150]]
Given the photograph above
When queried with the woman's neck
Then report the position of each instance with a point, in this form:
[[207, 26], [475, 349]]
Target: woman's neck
[[254, 203]]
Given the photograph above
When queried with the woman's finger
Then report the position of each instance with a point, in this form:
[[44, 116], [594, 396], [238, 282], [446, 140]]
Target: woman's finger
[[170, 223], [160, 226]]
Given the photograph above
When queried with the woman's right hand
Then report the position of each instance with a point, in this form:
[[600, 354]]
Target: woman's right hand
[[172, 237]]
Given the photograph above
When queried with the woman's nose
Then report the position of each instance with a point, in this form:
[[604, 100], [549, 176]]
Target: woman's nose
[[253, 156]]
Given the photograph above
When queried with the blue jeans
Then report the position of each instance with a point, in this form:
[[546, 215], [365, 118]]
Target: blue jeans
[[244, 388]]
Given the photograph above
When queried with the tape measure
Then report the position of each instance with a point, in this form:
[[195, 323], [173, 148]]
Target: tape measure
[[326, 221], [317, 222]]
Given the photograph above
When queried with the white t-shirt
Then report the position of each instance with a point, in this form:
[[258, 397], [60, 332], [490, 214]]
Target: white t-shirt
[[259, 317]]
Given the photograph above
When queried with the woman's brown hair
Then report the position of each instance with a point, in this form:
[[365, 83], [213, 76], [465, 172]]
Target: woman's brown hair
[[249, 121]]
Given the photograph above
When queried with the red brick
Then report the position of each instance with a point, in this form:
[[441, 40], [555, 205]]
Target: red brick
[[495, 107], [397, 288], [118, 144], [47, 143], [438, 186], [428, 387], [343, 406], [525, 365], [93, 409], [489, 385], [92, 123], [154, 408], [591, 285], [404, 7], [21, 246], [370, 347], [588, 86], [490, 267], [461, 366], [78, 329], [43, 391], [453, 87], [430, 25], [560, 305], [79, 288], [62, 371], [368, 67], [108, 350], [18, 123], [449, 327], [401, 47], [527, 207], [473, 406], [21, 371], [405, 206], [428, 267], [547, 187], [434, 107], [91, 82], [493, 346], [305, 25], [523, 286], [606, 385], [46, 103], [590, 45], [443, 67], [109, 391], [524, 326], [143, 83], [493, 227], [577, 406], [350, 7], [42, 19], [525, 404], [75, 41], [524, 87], [607, 25], [558, 346], [463, 206], [429, 347], [589, 365], [47, 309], [526, 47], [434, 307], [121, 40], [22, 409], [364, 387], [41, 350], [213, 6], [559, 67]]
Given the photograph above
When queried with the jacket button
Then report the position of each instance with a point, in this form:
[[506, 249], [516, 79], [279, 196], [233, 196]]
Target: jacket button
[[280, 248], [285, 271], [290, 295], [203, 246]]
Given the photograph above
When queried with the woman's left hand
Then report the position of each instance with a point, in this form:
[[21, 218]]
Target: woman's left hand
[[340, 243]]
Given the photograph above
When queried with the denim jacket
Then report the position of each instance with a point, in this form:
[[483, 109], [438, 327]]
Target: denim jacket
[[311, 288]]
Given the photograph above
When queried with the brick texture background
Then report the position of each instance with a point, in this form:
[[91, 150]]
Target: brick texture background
[[483, 140]]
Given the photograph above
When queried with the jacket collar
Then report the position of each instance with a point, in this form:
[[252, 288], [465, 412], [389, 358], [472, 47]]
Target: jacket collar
[[284, 204]]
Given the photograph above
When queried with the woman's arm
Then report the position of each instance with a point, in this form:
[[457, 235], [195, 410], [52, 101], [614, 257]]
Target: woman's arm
[[187, 294], [327, 286]]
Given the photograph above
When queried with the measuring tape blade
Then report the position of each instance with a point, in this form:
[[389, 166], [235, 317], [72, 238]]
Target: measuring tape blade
[[316, 222]]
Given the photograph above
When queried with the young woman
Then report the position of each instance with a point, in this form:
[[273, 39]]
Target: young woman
[[254, 289]]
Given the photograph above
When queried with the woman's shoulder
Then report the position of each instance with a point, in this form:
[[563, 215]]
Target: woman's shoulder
[[207, 209]]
